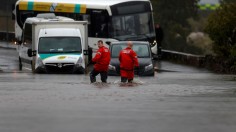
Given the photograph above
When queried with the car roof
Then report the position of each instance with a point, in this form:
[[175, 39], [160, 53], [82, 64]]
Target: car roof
[[125, 42]]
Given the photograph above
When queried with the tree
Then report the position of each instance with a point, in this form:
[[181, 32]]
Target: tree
[[172, 15], [221, 28]]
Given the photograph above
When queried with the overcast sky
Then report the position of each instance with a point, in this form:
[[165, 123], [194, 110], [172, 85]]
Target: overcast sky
[[209, 1]]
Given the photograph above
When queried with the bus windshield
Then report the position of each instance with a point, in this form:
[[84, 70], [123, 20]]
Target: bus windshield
[[132, 27], [59, 45]]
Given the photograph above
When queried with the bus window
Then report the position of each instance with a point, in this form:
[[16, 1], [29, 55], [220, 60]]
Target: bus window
[[99, 24], [130, 26], [28, 35], [23, 16], [124, 25], [87, 18], [144, 28], [117, 25]]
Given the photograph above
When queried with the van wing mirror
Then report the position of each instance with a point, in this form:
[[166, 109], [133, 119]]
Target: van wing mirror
[[86, 52], [108, 43], [31, 53]]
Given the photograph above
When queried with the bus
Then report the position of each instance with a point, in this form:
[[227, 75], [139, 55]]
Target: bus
[[108, 20]]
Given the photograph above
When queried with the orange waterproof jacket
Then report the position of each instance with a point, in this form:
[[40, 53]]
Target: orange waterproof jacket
[[102, 59], [128, 59]]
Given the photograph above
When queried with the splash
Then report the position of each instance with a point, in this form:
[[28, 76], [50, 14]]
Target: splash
[[136, 82], [101, 84]]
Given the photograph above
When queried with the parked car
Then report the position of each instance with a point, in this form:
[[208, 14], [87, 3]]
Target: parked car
[[144, 54]]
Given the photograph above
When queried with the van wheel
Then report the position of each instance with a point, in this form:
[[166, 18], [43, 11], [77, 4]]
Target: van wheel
[[153, 74], [33, 66], [20, 64]]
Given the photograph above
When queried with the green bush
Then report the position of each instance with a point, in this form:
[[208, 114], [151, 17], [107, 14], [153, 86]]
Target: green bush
[[173, 16], [221, 28]]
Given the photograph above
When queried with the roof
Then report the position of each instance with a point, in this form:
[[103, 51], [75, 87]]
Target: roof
[[73, 6], [86, 2], [40, 19], [125, 42]]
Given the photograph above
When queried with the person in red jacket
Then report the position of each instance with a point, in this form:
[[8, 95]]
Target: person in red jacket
[[128, 61], [102, 61]]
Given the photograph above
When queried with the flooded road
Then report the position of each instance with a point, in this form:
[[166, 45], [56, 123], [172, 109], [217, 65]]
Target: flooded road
[[177, 99]]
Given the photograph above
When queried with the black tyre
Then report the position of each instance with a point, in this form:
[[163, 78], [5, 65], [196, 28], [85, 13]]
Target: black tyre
[[153, 74], [20, 64], [33, 66]]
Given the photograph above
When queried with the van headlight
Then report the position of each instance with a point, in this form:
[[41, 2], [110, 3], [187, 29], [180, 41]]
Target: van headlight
[[79, 62], [40, 63], [149, 67], [152, 44], [111, 67]]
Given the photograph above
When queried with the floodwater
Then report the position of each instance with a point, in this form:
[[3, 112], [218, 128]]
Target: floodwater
[[177, 99]]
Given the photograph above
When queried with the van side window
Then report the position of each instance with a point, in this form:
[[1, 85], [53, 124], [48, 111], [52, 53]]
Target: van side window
[[28, 35]]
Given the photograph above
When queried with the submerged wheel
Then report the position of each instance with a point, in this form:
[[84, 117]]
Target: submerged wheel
[[33, 66]]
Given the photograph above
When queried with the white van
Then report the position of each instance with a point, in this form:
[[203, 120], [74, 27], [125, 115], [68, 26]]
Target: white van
[[54, 44]]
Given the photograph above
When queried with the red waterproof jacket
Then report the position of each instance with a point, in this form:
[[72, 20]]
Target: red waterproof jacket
[[102, 59], [128, 59]]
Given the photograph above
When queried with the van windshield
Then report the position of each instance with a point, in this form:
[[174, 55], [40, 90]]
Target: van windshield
[[59, 45], [142, 50]]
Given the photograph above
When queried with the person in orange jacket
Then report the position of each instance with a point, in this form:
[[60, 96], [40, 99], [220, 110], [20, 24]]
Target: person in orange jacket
[[128, 61], [102, 61]]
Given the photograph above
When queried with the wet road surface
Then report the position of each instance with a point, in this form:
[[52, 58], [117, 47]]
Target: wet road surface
[[178, 99]]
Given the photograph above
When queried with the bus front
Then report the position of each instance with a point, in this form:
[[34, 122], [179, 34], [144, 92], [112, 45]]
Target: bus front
[[133, 21]]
